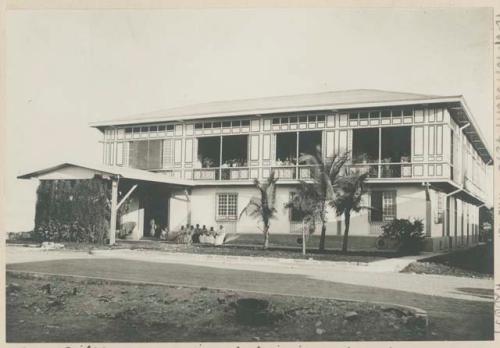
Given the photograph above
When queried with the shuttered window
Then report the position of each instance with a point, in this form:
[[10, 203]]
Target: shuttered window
[[145, 154], [383, 206]]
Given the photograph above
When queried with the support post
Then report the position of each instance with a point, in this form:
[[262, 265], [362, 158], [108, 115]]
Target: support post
[[114, 210], [428, 210]]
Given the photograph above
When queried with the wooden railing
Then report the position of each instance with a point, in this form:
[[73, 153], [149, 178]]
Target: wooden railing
[[380, 170]]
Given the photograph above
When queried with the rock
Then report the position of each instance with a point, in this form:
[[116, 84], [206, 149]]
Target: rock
[[320, 331], [318, 323], [351, 315], [52, 297], [21, 321], [256, 338], [51, 245], [46, 287]]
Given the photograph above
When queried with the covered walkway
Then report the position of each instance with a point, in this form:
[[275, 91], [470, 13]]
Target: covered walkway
[[155, 188]]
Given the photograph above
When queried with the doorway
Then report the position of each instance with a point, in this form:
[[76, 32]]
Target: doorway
[[155, 205]]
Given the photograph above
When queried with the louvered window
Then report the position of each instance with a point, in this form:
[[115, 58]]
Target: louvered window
[[145, 154]]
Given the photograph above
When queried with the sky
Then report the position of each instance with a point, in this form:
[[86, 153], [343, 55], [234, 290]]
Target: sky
[[65, 69]]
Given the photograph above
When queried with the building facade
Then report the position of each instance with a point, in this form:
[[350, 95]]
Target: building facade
[[424, 155]]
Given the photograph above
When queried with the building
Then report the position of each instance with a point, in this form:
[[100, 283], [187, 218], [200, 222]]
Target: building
[[425, 156]]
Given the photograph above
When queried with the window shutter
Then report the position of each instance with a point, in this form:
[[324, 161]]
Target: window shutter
[[154, 154], [168, 153]]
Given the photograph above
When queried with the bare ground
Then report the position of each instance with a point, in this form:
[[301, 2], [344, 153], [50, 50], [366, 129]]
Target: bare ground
[[79, 310]]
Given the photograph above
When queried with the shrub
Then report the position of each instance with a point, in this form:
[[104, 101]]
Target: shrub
[[73, 211], [408, 234]]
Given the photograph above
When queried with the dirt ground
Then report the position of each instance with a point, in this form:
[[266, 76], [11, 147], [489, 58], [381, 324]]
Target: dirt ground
[[476, 262], [59, 309]]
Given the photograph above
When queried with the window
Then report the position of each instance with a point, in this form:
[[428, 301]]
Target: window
[[207, 125], [145, 154], [245, 123], [198, 125], [226, 124], [170, 127], [216, 124], [408, 112], [363, 115], [276, 120], [236, 123], [438, 219], [383, 204], [227, 206], [295, 214], [161, 128]]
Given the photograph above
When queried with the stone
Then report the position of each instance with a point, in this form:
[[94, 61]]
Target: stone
[[320, 331], [318, 323], [351, 315]]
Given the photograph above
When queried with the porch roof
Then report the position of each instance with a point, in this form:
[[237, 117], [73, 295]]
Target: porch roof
[[73, 171]]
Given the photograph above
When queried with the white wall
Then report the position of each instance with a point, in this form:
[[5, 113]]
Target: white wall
[[134, 215]]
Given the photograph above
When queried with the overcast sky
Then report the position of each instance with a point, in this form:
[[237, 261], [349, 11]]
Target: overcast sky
[[67, 68]]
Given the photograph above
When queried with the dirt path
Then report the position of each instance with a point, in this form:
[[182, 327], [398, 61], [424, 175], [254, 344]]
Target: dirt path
[[451, 319]]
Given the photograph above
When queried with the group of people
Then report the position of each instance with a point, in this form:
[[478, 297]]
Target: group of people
[[190, 234]]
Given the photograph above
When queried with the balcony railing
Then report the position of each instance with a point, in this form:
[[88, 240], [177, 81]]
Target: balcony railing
[[223, 173], [401, 170]]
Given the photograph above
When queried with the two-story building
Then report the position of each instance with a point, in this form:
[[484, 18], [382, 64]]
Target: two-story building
[[425, 156]]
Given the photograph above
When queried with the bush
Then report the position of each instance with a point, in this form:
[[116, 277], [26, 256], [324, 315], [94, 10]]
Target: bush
[[408, 235], [73, 211]]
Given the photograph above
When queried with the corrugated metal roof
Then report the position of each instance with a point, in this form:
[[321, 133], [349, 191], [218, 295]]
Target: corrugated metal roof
[[101, 169], [326, 100]]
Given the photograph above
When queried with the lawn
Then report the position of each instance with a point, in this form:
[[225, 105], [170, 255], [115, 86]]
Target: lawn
[[476, 262], [61, 309]]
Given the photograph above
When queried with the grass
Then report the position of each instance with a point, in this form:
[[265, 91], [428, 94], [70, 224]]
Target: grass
[[78, 310], [476, 262], [238, 250]]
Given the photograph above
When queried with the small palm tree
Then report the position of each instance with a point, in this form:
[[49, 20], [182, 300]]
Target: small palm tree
[[324, 174], [308, 204], [349, 190], [263, 207]]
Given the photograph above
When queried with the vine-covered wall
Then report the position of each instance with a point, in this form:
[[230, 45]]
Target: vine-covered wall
[[73, 210]]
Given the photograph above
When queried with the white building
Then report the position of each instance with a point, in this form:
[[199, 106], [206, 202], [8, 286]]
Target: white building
[[205, 158]]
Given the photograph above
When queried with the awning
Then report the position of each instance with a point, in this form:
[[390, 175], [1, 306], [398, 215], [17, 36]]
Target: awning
[[75, 171]]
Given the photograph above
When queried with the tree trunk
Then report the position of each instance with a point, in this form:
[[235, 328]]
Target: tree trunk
[[266, 237], [322, 237], [303, 238], [346, 231]]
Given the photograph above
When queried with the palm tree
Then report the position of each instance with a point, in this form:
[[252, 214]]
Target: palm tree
[[307, 202], [349, 190], [324, 174], [263, 207]]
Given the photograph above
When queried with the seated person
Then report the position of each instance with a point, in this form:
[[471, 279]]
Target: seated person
[[164, 233]]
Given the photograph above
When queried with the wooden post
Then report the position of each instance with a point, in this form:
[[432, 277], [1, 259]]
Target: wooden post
[[428, 211], [303, 238], [114, 210]]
